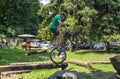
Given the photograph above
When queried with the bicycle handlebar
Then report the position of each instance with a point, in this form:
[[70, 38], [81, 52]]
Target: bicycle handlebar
[[67, 25]]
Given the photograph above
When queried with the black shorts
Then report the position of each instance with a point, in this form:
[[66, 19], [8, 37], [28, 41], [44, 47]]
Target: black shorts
[[54, 31]]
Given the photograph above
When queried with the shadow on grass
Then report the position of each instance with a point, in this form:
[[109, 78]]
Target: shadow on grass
[[94, 74], [98, 74]]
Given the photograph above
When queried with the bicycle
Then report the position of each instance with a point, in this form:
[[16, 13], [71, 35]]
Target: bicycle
[[58, 55]]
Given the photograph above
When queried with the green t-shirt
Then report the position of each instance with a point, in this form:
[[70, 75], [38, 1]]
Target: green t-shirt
[[55, 22]]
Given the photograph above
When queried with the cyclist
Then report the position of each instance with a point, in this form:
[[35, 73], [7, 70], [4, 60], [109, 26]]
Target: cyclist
[[57, 21]]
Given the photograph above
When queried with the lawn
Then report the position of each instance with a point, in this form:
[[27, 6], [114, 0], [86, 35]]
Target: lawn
[[11, 55]]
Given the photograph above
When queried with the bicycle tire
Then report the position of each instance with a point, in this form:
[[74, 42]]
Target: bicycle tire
[[55, 52]]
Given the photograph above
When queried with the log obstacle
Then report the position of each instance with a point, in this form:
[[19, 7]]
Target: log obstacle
[[30, 63], [88, 64], [100, 62], [80, 63], [7, 73], [45, 65], [35, 52]]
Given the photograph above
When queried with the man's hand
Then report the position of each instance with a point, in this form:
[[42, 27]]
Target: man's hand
[[63, 24], [67, 25]]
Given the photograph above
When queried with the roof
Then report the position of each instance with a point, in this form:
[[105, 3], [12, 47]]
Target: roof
[[26, 36]]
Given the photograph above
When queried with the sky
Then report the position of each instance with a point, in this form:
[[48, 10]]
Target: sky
[[45, 1]]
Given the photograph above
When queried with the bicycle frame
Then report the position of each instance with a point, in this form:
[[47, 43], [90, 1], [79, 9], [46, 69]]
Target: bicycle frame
[[72, 35]]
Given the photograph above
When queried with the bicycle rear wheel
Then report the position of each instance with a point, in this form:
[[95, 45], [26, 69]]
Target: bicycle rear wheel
[[58, 56]]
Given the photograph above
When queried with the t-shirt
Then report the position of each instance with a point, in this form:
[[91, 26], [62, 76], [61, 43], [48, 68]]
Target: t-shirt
[[23, 43], [55, 22]]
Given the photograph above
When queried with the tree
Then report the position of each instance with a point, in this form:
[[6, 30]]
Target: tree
[[95, 18], [19, 16], [77, 11], [106, 23]]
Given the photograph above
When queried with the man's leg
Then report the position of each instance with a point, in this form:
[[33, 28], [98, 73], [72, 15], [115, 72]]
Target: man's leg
[[60, 40], [58, 36]]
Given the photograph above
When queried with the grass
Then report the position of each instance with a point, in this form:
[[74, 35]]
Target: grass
[[90, 56], [11, 55]]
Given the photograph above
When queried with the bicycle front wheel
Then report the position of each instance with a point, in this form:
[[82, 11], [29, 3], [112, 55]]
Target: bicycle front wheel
[[58, 56]]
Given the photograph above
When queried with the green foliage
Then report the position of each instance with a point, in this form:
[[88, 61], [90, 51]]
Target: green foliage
[[2, 29], [95, 18], [19, 16], [115, 37], [108, 21], [71, 20], [68, 6], [77, 15]]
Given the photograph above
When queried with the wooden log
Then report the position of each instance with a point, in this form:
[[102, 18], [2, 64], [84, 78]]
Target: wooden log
[[11, 76], [35, 52], [116, 63], [80, 63], [30, 63], [88, 64], [100, 62], [14, 72], [30, 67]]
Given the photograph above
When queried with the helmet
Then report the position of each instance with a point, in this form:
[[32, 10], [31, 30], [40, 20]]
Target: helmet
[[63, 13]]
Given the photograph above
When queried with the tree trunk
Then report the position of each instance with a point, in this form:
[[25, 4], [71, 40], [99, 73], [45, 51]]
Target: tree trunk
[[90, 44], [70, 47], [107, 46]]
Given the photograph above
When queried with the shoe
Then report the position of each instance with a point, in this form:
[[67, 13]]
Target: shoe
[[61, 55]]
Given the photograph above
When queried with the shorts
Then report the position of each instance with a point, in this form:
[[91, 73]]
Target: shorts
[[55, 31]]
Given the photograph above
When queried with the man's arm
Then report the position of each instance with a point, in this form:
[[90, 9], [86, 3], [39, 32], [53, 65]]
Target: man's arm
[[61, 23]]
